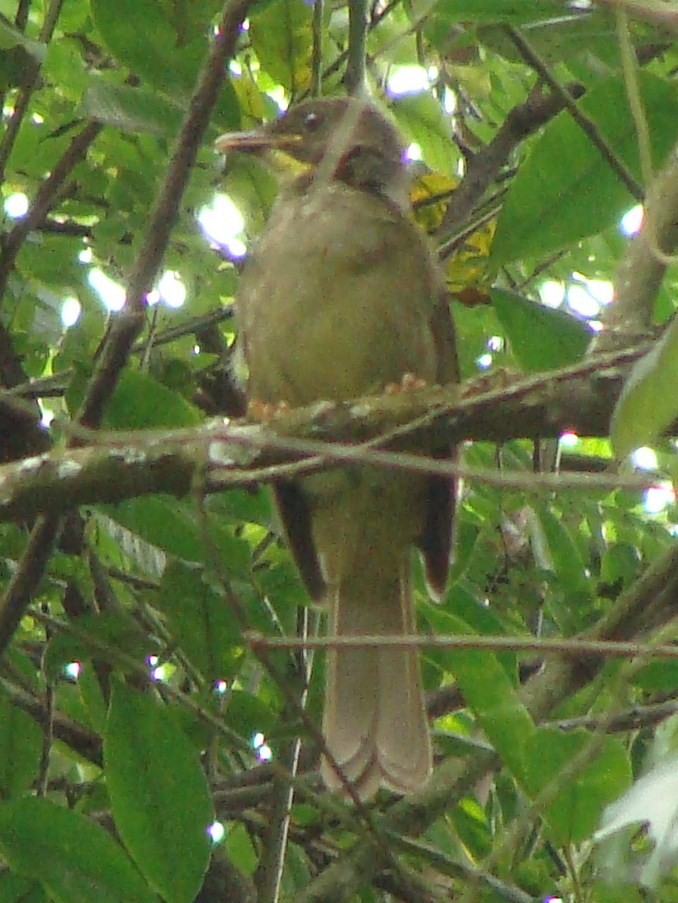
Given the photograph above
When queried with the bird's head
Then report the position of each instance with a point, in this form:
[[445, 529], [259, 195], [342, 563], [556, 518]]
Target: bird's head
[[331, 138]]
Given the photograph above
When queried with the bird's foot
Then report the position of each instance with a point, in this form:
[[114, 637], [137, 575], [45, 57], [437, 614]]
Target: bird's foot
[[266, 410], [408, 383]]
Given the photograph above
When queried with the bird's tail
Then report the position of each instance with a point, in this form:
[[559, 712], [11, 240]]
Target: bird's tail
[[375, 722]]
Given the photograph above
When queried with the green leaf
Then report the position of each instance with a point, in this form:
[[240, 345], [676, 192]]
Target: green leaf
[[478, 618], [140, 402], [658, 676], [565, 190], [620, 565], [200, 621], [574, 812], [282, 38], [651, 803], [73, 857], [560, 551], [64, 66], [493, 698], [16, 889], [112, 630], [588, 39], [422, 121], [11, 37], [141, 36], [541, 338], [159, 795], [648, 403], [20, 748], [132, 109], [171, 525], [514, 12]]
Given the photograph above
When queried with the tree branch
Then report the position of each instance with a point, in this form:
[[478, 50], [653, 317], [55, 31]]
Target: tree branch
[[484, 166], [587, 125], [120, 339], [644, 264], [114, 466], [126, 327]]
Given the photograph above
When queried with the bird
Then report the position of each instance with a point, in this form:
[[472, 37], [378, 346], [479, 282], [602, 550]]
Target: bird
[[340, 298]]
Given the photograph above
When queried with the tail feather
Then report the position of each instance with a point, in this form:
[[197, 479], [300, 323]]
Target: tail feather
[[375, 722]]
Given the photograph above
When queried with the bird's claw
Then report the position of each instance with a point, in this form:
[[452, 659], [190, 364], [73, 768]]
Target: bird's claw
[[408, 383]]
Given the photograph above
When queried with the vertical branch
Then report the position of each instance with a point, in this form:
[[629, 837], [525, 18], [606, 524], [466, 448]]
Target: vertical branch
[[317, 50], [48, 726], [26, 90], [642, 269], [354, 79], [127, 325], [21, 16], [630, 67], [270, 871], [25, 580]]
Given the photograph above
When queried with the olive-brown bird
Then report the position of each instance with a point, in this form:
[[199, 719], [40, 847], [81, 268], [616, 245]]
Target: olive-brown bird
[[341, 297]]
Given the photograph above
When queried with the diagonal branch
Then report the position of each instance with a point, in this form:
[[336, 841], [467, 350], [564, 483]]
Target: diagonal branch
[[484, 166], [588, 126], [121, 337]]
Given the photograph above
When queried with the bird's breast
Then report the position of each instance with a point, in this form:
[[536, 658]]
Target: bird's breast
[[334, 302]]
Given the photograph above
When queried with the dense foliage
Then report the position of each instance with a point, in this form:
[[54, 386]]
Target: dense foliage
[[147, 731]]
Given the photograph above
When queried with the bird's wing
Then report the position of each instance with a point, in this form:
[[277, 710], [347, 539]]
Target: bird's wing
[[296, 521], [435, 541]]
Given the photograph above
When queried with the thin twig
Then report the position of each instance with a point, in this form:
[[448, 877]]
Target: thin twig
[[630, 67], [25, 92], [45, 198], [21, 17], [25, 580], [270, 869], [354, 78], [567, 773], [574, 648], [628, 720], [484, 166], [661, 14], [41, 783], [587, 125]]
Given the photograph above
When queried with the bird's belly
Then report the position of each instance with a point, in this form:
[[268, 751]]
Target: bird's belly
[[324, 355], [336, 303], [340, 346]]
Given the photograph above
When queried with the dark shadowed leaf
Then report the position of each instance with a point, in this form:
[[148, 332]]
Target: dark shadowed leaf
[[72, 856], [159, 795], [20, 747]]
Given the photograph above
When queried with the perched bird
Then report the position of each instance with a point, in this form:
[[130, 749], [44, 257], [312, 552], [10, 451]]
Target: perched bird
[[341, 297]]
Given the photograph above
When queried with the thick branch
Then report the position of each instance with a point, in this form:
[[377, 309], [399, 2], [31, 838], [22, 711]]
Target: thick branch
[[643, 266], [118, 466], [485, 165]]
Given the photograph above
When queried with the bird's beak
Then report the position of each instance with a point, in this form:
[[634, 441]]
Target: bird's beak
[[276, 149], [256, 140]]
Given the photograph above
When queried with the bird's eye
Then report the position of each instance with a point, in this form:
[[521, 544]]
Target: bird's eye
[[312, 121]]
